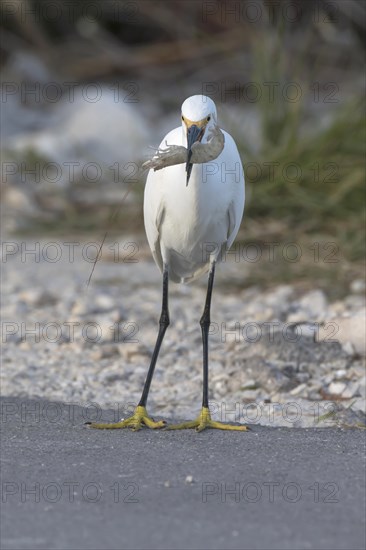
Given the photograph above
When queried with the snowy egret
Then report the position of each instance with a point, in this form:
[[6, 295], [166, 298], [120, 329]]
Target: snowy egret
[[193, 206]]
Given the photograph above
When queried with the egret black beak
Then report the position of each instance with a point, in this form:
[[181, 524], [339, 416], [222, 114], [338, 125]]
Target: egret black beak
[[194, 133]]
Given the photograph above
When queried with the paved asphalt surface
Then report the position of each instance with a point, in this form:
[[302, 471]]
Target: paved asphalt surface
[[66, 486]]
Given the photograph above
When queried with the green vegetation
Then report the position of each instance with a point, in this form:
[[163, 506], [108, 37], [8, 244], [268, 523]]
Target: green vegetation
[[306, 183]]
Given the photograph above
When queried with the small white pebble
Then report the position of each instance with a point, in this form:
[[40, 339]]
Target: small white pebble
[[340, 373], [357, 286], [336, 388], [298, 389], [348, 348]]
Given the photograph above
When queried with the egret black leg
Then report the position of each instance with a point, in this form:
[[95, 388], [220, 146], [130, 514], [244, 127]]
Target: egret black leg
[[204, 419], [205, 326], [140, 417], [163, 325]]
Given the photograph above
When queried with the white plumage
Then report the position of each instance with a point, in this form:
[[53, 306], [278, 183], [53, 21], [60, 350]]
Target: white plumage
[[189, 226]]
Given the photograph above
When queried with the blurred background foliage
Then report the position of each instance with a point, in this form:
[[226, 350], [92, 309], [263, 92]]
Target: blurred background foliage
[[288, 79]]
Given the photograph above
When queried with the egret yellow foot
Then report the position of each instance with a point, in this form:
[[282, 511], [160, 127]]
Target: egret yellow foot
[[204, 421], [135, 422]]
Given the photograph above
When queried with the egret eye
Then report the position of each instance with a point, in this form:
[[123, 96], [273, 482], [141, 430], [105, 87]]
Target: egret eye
[[182, 117], [208, 118]]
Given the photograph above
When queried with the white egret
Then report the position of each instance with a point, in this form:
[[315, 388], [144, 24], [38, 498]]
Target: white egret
[[193, 206]]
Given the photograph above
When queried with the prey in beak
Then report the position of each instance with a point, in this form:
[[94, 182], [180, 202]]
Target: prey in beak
[[194, 134]]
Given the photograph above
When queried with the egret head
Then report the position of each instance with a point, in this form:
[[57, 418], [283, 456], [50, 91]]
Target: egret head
[[198, 115]]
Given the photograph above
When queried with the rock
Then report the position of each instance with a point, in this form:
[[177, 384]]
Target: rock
[[354, 302], [258, 311], [37, 297], [104, 302], [90, 130], [358, 286], [267, 375], [298, 389], [348, 330], [134, 350], [298, 317], [359, 404], [109, 377], [336, 308], [98, 303], [302, 377], [248, 395], [279, 299], [307, 330], [249, 385], [362, 387], [311, 307], [336, 388], [105, 352], [102, 328], [328, 378], [84, 151], [25, 345], [81, 306], [21, 205], [340, 373], [349, 349], [351, 390], [23, 114]]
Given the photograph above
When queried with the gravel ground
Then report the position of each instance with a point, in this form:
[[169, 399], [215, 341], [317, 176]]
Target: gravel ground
[[281, 357]]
